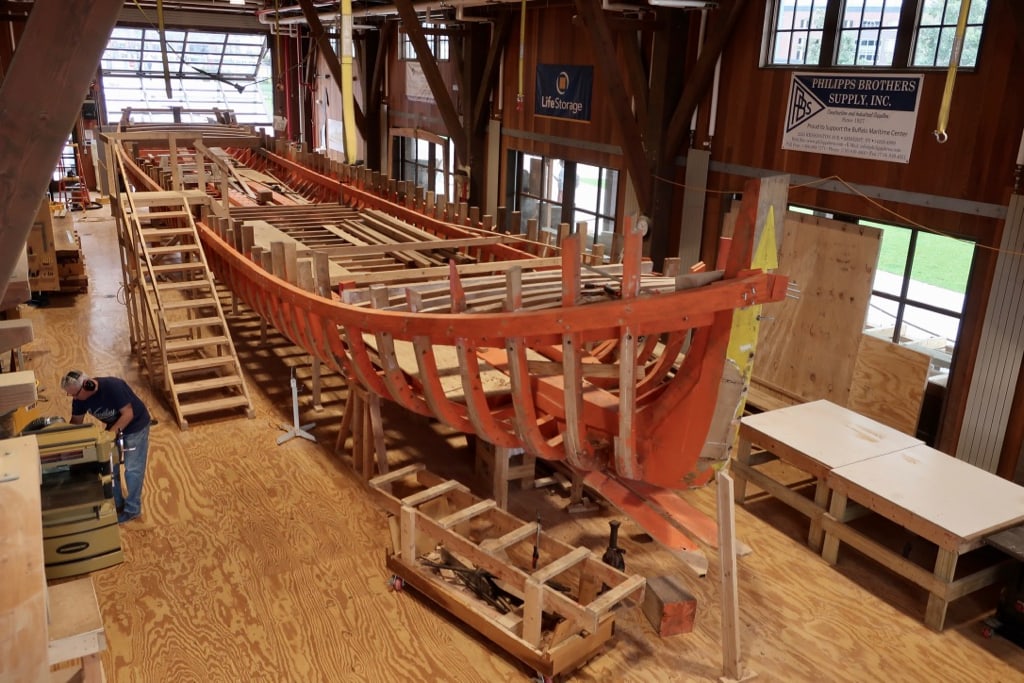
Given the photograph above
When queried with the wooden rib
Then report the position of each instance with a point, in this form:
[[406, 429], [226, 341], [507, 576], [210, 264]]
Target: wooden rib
[[480, 415], [394, 377], [519, 375]]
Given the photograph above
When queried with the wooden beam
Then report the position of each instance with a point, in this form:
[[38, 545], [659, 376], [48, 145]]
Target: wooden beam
[[387, 37], [629, 129], [323, 42], [700, 79], [39, 101], [489, 73], [1016, 9], [442, 98], [636, 73]]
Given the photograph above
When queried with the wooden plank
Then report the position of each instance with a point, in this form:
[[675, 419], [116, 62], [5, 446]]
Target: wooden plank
[[938, 497], [17, 389], [729, 576], [433, 492], [810, 346], [23, 641], [553, 569], [76, 625], [888, 383], [15, 333]]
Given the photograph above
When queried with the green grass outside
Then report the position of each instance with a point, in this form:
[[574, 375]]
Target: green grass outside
[[939, 261]]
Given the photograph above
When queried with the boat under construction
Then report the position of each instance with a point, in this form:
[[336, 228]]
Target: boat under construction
[[524, 337]]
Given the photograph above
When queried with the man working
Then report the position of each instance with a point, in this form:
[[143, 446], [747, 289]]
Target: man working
[[112, 401]]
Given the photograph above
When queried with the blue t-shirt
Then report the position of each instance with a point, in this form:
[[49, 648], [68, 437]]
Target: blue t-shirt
[[105, 405]]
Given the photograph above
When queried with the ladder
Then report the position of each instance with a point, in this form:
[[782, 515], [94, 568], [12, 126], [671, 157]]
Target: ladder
[[179, 332]]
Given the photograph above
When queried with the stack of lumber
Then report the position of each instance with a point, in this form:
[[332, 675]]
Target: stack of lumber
[[70, 260]]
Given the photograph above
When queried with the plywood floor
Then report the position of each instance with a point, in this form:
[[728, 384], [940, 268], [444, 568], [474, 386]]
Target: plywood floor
[[258, 562]]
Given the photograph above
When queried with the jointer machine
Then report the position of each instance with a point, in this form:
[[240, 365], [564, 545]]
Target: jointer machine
[[80, 532]]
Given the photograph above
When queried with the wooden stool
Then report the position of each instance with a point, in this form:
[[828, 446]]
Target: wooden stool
[[362, 419], [496, 461]]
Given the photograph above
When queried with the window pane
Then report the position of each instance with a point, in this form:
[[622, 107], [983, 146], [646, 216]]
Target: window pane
[[797, 32], [588, 183], [941, 268], [936, 30], [892, 258]]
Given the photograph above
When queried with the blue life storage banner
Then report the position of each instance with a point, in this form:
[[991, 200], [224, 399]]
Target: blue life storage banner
[[564, 91]]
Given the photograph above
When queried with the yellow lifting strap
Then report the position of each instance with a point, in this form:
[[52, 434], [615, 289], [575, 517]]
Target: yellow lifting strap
[[954, 64]]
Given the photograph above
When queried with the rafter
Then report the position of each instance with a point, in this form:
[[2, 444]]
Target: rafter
[[443, 99], [629, 129], [700, 79], [487, 77], [323, 42], [39, 100]]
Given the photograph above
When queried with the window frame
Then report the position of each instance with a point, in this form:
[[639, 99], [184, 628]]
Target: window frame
[[908, 31], [905, 299]]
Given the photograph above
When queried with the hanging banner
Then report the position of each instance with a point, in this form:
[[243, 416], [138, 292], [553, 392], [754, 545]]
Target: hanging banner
[[416, 87], [564, 91], [858, 115]]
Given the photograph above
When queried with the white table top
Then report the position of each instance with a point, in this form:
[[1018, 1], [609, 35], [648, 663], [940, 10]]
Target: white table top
[[828, 433], [920, 486]]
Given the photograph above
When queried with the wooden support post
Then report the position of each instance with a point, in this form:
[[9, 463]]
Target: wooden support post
[[731, 669], [515, 223]]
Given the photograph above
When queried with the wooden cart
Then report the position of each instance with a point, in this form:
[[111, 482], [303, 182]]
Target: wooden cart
[[563, 607]]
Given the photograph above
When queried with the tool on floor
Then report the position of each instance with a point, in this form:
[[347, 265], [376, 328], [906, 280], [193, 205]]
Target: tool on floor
[[614, 555]]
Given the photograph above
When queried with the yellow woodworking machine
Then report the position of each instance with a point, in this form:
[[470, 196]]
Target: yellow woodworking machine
[[80, 531]]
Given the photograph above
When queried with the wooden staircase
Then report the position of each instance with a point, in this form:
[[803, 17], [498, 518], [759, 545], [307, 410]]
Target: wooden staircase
[[180, 331]]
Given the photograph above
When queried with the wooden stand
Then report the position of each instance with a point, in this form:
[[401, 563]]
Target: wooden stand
[[497, 463], [362, 420], [551, 631]]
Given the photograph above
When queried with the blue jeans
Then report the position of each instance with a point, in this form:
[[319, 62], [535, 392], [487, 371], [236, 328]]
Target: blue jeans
[[136, 451]]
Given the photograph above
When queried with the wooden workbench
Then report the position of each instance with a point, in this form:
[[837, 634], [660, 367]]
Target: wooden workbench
[[816, 438], [946, 501]]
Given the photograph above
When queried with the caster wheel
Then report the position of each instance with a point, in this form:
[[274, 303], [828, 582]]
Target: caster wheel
[[986, 632], [395, 583]]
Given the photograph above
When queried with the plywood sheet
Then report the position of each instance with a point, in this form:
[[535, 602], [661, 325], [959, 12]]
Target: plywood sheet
[[889, 381], [807, 347], [921, 486]]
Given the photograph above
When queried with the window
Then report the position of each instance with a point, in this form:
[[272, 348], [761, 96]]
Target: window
[[594, 203], [437, 41], [208, 70], [871, 33], [938, 27], [918, 295], [423, 161], [556, 191], [917, 298]]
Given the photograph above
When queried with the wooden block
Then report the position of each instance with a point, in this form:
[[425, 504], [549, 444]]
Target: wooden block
[[668, 606], [17, 389], [15, 333]]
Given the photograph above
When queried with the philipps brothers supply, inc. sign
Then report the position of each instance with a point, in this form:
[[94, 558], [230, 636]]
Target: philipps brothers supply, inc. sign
[[564, 91]]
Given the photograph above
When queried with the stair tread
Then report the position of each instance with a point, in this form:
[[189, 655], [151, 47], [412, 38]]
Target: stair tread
[[166, 232], [187, 284], [206, 384], [214, 404], [194, 322], [204, 363], [173, 249], [172, 267], [189, 303], [188, 344]]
